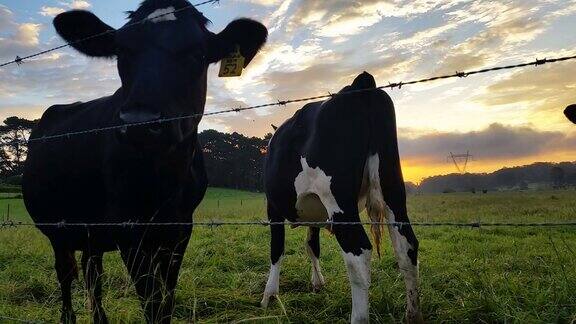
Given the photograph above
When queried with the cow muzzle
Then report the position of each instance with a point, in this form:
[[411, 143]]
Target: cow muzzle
[[151, 131], [137, 117]]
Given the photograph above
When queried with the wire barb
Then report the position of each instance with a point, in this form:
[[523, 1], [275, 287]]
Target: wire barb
[[461, 74], [62, 224], [540, 62]]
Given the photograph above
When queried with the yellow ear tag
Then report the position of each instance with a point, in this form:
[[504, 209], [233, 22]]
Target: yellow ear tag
[[232, 65]]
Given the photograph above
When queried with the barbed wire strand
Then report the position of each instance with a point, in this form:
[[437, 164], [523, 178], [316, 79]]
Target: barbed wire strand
[[20, 60], [18, 320], [399, 85], [218, 223]]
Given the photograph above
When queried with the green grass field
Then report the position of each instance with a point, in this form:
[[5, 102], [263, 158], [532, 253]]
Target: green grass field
[[487, 275]]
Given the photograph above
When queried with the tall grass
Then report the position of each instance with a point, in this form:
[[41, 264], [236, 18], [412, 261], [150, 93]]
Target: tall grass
[[522, 275]]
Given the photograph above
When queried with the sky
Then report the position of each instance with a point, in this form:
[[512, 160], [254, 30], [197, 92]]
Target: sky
[[315, 47]]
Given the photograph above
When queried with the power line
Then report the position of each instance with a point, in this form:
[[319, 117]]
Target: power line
[[399, 85], [20, 60]]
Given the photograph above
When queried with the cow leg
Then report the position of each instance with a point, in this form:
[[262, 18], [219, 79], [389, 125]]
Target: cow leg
[[171, 263], [154, 271], [144, 270], [405, 247], [356, 250], [93, 270], [313, 249], [276, 254], [66, 271]]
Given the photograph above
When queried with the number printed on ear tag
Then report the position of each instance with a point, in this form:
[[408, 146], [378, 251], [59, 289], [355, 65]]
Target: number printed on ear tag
[[232, 65]]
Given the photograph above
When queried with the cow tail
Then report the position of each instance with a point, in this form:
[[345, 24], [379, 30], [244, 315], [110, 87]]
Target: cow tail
[[387, 192], [377, 217]]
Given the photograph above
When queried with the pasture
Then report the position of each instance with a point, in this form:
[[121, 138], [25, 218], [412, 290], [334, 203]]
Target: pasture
[[522, 275]]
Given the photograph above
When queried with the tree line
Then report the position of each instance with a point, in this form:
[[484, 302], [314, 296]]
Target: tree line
[[232, 160], [540, 175], [236, 161]]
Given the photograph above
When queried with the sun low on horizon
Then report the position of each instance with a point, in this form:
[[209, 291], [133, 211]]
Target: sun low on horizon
[[503, 119]]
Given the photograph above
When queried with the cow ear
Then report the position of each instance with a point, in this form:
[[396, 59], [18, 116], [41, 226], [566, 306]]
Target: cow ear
[[570, 112], [247, 34], [77, 25]]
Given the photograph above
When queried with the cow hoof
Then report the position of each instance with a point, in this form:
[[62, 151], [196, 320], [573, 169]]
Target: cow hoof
[[68, 318], [266, 300], [100, 319], [359, 319], [414, 318], [318, 283]]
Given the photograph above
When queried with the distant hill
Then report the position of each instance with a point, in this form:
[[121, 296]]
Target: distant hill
[[533, 176]]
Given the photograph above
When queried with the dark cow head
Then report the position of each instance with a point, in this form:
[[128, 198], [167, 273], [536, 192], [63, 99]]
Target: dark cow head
[[570, 112], [162, 61]]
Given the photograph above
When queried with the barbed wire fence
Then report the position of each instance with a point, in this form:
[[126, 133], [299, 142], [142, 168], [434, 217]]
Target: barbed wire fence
[[283, 103], [9, 319], [218, 223], [8, 223]]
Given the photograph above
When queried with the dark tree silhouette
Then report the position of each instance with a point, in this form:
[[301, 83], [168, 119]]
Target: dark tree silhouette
[[13, 149], [234, 160]]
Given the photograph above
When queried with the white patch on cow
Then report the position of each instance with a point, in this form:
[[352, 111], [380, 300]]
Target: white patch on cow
[[273, 284], [162, 15], [377, 207], [375, 197], [312, 183], [317, 277], [359, 276], [407, 268], [371, 191]]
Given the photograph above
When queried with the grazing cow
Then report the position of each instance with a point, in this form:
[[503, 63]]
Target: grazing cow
[[570, 112], [328, 162], [148, 173]]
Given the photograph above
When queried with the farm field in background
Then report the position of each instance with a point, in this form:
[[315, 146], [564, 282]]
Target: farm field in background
[[523, 275]]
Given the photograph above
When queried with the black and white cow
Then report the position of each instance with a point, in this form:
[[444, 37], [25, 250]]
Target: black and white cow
[[152, 173], [570, 112], [330, 161]]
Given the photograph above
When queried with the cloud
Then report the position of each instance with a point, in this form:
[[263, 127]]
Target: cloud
[[541, 93], [505, 26], [249, 122], [17, 38], [77, 4], [48, 11], [5, 17], [51, 11], [341, 18], [496, 142], [266, 3]]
